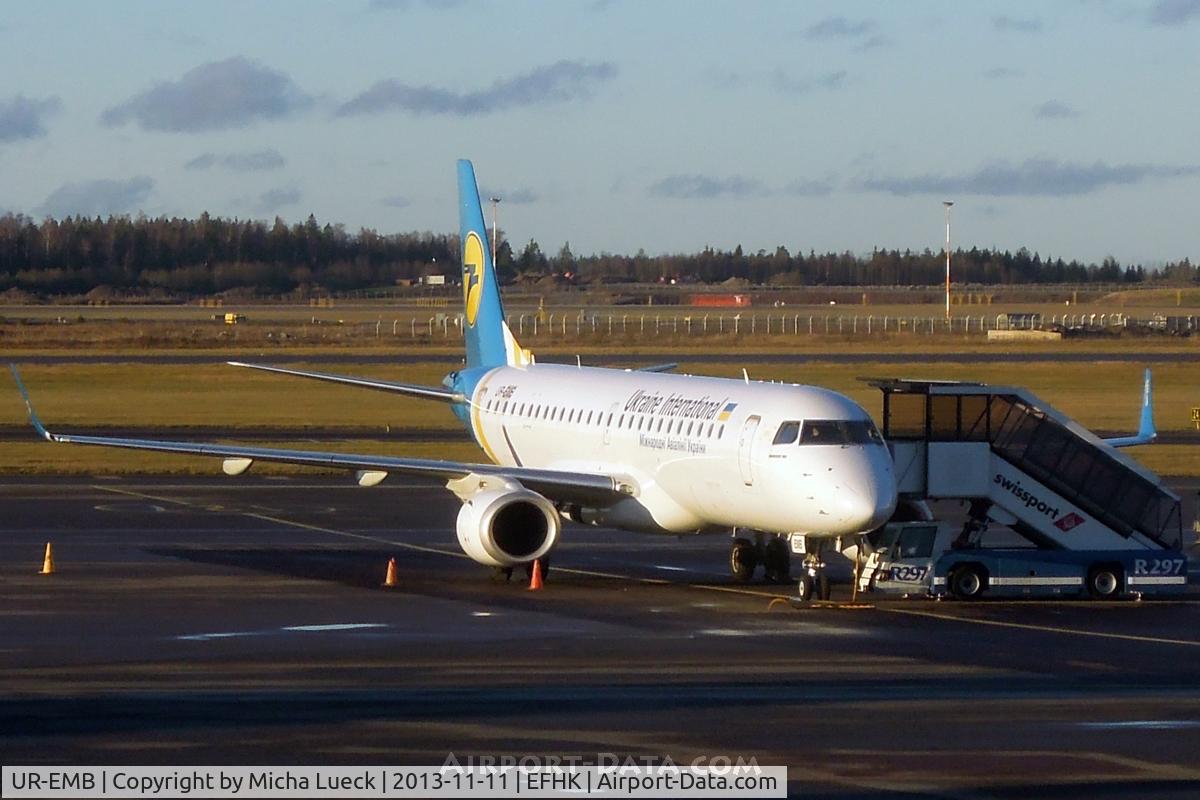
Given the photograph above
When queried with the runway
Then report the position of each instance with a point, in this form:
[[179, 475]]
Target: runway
[[242, 621]]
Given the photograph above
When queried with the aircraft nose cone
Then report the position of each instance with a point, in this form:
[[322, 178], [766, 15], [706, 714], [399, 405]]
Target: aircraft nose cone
[[866, 504]]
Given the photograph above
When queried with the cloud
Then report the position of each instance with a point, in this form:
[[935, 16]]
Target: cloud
[[276, 199], [98, 198], [560, 82], [874, 43], [202, 161], [1053, 109], [839, 28], [1174, 12], [724, 79], [1035, 177], [777, 79], [255, 161], [24, 117], [515, 197], [219, 95], [396, 201], [703, 187], [802, 188], [782, 82], [996, 73], [404, 5], [1017, 25], [182, 39]]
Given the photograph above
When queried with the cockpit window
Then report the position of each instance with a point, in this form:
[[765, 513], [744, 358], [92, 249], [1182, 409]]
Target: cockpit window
[[839, 431], [787, 433]]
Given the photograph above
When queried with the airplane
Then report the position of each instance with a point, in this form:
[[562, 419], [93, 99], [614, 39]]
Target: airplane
[[1146, 433], [640, 450]]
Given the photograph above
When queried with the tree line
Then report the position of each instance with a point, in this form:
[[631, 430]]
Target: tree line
[[176, 256]]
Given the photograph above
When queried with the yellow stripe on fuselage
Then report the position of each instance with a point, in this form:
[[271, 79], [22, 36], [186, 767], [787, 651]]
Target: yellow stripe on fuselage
[[477, 423]]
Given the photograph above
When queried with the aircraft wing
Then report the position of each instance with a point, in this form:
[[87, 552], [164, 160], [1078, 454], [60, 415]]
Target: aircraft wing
[[415, 390], [595, 489], [1146, 430]]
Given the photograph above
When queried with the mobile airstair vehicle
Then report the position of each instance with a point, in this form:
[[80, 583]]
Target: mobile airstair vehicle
[[1087, 518]]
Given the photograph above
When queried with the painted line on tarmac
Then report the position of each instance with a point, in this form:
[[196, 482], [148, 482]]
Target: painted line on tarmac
[[435, 550], [287, 522], [1043, 628]]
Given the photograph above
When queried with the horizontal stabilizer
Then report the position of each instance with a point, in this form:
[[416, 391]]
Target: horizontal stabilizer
[[411, 389]]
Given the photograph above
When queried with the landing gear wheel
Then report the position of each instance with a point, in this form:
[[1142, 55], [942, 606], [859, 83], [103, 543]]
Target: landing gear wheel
[[743, 559], [1104, 581], [502, 574], [966, 582], [823, 590], [777, 561], [805, 588]]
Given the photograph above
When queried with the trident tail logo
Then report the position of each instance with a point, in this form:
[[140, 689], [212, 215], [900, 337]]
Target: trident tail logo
[[472, 275]]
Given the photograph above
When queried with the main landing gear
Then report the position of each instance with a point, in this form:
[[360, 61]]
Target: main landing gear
[[772, 552], [504, 574]]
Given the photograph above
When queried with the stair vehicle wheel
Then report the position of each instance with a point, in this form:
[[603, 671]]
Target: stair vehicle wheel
[[777, 561], [966, 582], [1104, 580], [743, 559]]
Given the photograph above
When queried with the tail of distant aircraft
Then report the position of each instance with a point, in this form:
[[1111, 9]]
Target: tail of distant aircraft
[[1147, 433], [489, 341]]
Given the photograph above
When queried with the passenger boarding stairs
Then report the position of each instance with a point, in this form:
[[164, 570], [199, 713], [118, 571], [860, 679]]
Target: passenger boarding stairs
[[1025, 465]]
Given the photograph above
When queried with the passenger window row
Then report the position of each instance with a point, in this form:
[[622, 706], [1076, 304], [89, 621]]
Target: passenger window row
[[645, 423]]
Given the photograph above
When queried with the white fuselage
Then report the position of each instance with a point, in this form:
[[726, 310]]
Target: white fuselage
[[699, 451]]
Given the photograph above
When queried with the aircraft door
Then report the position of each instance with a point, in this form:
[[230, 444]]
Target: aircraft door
[[746, 449]]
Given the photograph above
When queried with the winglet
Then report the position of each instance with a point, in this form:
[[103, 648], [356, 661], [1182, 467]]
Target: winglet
[[33, 417], [1147, 433]]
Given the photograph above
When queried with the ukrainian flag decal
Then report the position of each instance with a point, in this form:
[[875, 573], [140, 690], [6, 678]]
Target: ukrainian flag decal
[[472, 275], [725, 412]]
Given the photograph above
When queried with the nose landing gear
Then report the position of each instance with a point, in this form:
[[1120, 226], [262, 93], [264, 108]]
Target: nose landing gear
[[814, 583]]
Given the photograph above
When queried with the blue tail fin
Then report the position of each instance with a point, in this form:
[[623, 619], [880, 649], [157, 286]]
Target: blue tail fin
[[1147, 433], [489, 342]]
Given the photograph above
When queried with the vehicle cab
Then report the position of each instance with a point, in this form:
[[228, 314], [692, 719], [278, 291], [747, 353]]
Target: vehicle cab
[[900, 557]]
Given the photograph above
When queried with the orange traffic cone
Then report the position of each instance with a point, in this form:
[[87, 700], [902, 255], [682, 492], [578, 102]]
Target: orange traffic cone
[[390, 580], [535, 577], [48, 561]]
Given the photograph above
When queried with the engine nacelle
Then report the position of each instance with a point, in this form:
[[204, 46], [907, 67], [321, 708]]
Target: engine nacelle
[[504, 528]]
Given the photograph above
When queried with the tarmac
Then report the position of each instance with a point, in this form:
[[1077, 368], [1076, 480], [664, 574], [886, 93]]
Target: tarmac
[[242, 621]]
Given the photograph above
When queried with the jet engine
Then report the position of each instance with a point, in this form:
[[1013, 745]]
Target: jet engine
[[504, 528]]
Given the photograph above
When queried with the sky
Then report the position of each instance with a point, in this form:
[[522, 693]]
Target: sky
[[1069, 128]]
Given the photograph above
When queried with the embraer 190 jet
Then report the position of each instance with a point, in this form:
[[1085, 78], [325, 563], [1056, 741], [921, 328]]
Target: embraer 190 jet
[[638, 450]]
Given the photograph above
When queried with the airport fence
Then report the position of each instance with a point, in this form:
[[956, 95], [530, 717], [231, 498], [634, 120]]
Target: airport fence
[[549, 327]]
